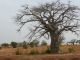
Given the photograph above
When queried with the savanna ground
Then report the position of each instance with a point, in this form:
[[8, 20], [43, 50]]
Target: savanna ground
[[67, 52]]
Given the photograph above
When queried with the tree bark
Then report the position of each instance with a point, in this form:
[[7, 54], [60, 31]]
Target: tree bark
[[54, 43]]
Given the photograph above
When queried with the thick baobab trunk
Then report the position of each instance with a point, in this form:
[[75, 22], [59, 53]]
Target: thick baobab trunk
[[54, 43]]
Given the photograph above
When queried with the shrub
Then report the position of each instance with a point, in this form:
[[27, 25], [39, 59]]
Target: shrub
[[14, 44], [33, 52], [24, 44], [34, 43], [47, 51], [18, 52], [60, 51], [71, 50]]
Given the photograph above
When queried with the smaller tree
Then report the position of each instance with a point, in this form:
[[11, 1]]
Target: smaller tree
[[24, 44], [34, 43], [14, 44], [19, 44], [78, 41], [73, 41], [43, 43]]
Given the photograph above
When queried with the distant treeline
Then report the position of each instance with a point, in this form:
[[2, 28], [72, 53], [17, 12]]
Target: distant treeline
[[24, 44]]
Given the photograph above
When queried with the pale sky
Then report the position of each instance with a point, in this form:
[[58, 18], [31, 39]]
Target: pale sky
[[9, 8]]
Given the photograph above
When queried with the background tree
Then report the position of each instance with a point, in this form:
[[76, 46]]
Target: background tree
[[5, 45], [14, 44], [20, 44], [73, 41], [78, 41], [52, 20], [34, 43], [44, 43], [24, 44]]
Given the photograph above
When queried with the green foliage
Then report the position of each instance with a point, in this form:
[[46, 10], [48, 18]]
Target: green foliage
[[34, 43], [5, 45], [71, 50], [14, 44], [24, 44], [43, 43]]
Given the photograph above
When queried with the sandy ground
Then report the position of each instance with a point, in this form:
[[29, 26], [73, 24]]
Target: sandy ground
[[42, 57]]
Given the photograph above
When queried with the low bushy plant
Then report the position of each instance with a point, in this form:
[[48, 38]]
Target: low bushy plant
[[33, 52], [34, 43], [24, 44], [14, 44], [18, 52], [71, 50]]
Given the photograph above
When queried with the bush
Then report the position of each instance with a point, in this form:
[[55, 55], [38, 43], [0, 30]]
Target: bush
[[14, 44], [33, 52], [18, 52], [47, 51], [34, 43], [71, 50], [43, 43], [24, 44]]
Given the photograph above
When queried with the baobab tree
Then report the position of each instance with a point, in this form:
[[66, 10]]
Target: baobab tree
[[52, 20]]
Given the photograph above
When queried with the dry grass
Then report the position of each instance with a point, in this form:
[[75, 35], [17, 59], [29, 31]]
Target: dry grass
[[9, 53], [64, 49]]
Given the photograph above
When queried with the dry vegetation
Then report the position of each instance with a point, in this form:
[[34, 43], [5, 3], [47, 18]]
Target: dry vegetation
[[65, 53]]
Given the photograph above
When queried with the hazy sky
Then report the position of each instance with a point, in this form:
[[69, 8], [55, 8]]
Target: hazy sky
[[8, 9]]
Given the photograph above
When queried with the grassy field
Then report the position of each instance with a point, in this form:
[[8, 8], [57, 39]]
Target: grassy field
[[67, 52]]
